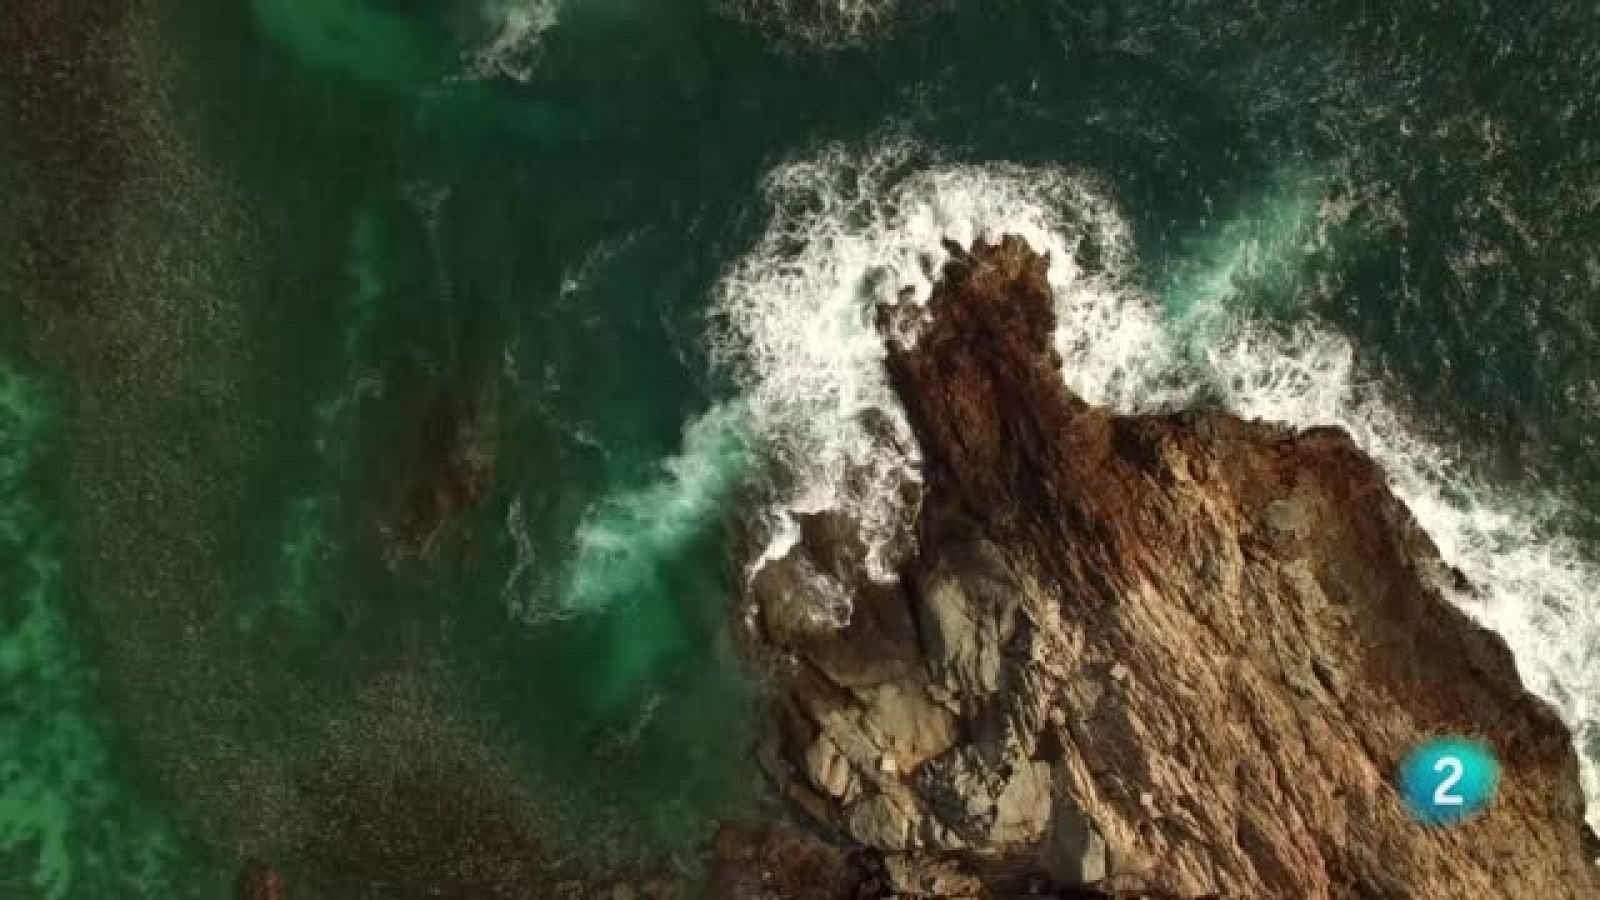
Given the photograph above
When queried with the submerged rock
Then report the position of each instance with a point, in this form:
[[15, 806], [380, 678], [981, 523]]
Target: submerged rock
[[757, 862], [451, 469], [1178, 655]]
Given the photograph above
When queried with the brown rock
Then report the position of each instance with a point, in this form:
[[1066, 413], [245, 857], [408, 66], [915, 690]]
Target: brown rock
[[1179, 655], [819, 600]]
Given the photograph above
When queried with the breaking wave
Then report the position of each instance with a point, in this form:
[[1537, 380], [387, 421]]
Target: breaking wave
[[794, 326], [1533, 584], [794, 318], [622, 542]]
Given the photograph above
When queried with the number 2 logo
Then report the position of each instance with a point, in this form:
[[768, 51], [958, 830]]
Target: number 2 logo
[[1441, 794], [1448, 780]]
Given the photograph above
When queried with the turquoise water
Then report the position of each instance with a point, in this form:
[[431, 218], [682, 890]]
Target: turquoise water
[[73, 822], [389, 439]]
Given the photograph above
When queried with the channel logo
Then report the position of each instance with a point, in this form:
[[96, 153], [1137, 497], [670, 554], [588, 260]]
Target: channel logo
[[1448, 780]]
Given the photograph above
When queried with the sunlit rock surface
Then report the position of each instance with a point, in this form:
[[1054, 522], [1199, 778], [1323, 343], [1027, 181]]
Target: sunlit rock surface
[[1178, 655]]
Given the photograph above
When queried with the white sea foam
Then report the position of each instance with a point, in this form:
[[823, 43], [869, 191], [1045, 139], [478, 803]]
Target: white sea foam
[[817, 23], [848, 231], [1534, 587], [623, 541], [517, 28], [1532, 583], [796, 316]]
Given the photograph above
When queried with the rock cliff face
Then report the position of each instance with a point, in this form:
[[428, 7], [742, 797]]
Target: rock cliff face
[[1168, 655]]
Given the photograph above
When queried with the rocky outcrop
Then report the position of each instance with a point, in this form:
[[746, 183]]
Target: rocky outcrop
[[1171, 655]]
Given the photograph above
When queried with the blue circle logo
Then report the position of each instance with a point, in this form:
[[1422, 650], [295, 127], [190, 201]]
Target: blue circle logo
[[1447, 780]]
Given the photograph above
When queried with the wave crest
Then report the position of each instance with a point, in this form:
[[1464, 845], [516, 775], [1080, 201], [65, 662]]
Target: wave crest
[[794, 319]]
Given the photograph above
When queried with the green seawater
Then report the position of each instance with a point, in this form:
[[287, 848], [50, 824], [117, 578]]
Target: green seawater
[[73, 821], [372, 466]]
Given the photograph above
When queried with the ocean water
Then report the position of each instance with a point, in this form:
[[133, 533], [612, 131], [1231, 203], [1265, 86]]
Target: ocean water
[[392, 394]]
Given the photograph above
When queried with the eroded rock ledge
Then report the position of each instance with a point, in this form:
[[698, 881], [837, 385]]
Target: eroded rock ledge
[[1170, 655]]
